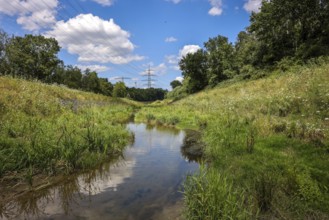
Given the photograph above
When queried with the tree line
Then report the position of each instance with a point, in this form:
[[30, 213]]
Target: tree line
[[138, 94], [283, 33], [35, 57]]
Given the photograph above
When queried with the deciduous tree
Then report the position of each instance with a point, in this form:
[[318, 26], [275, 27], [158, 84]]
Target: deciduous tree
[[32, 56], [194, 67], [120, 90], [175, 83], [220, 60]]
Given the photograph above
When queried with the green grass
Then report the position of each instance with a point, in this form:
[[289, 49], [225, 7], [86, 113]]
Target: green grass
[[50, 129], [266, 139], [210, 195]]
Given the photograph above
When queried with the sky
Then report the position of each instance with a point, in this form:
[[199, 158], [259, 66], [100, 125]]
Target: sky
[[128, 38]]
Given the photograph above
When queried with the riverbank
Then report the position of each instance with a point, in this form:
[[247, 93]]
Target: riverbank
[[49, 130], [266, 141], [120, 188], [267, 145]]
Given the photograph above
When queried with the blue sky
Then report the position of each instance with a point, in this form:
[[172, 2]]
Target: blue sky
[[120, 38]]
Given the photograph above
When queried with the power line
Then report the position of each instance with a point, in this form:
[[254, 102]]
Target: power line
[[149, 78], [132, 68], [122, 78]]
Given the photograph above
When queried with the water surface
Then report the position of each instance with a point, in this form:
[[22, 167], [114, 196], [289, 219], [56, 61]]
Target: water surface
[[142, 184]]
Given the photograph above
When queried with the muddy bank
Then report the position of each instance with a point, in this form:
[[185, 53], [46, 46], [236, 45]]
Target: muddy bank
[[14, 186], [193, 147]]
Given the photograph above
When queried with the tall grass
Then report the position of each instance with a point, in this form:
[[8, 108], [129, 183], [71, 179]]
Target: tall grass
[[51, 129], [267, 138], [210, 195]]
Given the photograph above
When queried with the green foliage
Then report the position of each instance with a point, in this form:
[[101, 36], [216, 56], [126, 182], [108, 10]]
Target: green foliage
[[291, 28], [35, 57], [146, 95], [90, 81], [72, 77], [149, 117], [105, 87], [119, 90], [4, 41], [282, 35], [175, 83], [208, 67], [194, 67], [220, 60], [32, 56], [177, 93]]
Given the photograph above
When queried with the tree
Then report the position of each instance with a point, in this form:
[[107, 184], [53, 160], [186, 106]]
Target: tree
[[90, 81], [120, 90], [58, 76], [220, 59], [106, 87], [72, 77], [146, 95], [245, 49], [32, 56], [194, 68], [175, 83], [4, 41], [295, 28]]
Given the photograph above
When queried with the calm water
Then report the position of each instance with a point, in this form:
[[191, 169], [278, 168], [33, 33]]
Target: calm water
[[143, 184]]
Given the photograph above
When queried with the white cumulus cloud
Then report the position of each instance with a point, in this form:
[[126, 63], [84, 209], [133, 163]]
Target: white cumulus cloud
[[173, 60], [179, 78], [97, 68], [31, 14], [94, 40], [188, 49], [170, 39], [104, 2], [216, 7], [161, 69], [253, 5]]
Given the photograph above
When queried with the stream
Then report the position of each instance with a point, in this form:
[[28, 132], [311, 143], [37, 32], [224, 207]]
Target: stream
[[144, 183]]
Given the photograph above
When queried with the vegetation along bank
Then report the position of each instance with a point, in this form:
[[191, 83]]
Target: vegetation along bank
[[49, 130], [262, 105], [267, 145]]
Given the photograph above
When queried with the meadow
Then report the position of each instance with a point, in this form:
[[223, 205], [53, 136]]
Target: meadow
[[266, 145], [51, 130]]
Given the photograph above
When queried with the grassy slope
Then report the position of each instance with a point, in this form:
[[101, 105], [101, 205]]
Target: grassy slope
[[51, 129], [267, 143]]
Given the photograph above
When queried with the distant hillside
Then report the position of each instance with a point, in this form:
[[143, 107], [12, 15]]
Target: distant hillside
[[20, 95]]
